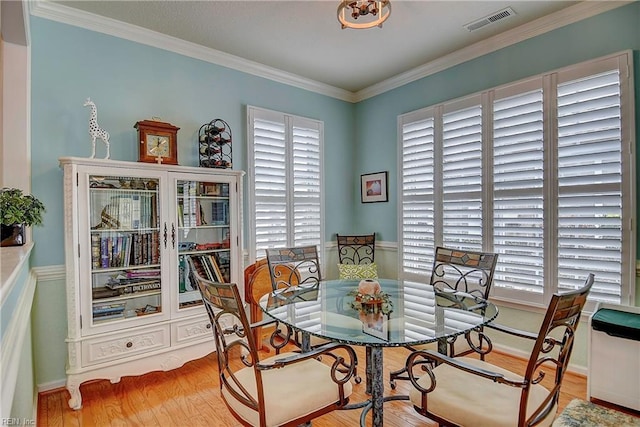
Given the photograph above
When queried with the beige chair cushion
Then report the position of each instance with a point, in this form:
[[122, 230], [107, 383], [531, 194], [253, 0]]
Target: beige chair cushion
[[287, 392], [468, 400]]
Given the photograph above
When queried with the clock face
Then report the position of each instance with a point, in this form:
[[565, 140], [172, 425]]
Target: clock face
[[158, 145]]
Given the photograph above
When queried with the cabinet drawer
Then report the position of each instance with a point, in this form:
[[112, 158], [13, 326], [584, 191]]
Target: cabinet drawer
[[191, 329], [196, 329], [103, 349]]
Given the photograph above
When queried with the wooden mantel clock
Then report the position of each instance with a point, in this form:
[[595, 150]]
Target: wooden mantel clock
[[158, 142]]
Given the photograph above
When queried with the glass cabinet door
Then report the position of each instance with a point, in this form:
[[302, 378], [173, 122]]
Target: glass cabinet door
[[125, 243], [203, 235]]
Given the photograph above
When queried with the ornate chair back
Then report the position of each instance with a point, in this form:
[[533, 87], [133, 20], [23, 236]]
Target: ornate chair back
[[463, 271], [553, 349], [356, 249], [293, 266]]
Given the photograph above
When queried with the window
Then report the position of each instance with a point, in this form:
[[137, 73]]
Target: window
[[540, 171], [284, 180]]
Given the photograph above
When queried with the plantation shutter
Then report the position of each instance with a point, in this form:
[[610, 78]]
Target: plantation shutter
[[518, 178], [590, 184], [285, 186], [270, 191], [548, 183], [306, 184], [417, 198], [462, 178]]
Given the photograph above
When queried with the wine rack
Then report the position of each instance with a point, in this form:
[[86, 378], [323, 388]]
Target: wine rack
[[214, 144]]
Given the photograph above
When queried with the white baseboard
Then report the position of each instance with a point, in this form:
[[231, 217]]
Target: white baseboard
[[51, 385]]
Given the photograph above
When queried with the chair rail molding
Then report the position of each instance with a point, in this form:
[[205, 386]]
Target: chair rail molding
[[49, 273]]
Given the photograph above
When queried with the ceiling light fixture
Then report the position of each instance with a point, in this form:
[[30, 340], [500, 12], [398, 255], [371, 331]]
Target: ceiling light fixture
[[371, 13]]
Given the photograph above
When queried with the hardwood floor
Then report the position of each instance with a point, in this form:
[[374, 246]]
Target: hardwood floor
[[189, 396]]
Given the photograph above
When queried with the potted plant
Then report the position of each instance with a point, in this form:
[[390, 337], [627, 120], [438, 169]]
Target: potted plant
[[18, 210]]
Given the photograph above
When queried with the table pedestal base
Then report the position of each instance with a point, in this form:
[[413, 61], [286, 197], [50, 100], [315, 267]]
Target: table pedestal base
[[374, 388]]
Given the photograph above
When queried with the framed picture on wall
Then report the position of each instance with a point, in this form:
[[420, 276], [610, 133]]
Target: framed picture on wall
[[373, 187]]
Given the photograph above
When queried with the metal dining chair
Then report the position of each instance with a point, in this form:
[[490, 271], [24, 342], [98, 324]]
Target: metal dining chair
[[252, 388], [356, 256], [470, 392], [294, 266], [297, 266], [468, 272]]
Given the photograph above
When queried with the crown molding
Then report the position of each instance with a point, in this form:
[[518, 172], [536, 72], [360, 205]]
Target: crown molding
[[112, 27], [570, 15], [71, 16]]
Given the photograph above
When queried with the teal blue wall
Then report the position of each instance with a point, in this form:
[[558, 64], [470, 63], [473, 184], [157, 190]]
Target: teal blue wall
[[376, 149], [131, 82], [49, 325]]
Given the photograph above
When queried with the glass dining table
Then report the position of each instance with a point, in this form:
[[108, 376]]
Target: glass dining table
[[409, 314]]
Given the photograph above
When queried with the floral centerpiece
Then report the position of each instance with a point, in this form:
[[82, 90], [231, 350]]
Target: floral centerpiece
[[369, 298]]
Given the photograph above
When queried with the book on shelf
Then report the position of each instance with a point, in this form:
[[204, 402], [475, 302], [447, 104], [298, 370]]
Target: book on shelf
[[180, 214], [115, 251], [153, 200], [140, 287], [224, 262], [104, 292], [155, 248], [127, 251], [124, 211], [123, 283], [197, 264], [182, 273], [108, 313], [144, 253], [216, 268], [108, 308], [220, 212], [100, 317], [104, 252], [152, 272], [95, 251], [136, 251], [207, 267], [135, 211]]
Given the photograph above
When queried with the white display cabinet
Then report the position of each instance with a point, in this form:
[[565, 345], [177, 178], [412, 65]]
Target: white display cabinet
[[132, 306]]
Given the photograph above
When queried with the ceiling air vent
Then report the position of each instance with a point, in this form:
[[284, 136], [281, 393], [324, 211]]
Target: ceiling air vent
[[494, 17]]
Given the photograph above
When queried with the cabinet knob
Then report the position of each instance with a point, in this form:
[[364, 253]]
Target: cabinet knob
[[208, 325], [129, 344]]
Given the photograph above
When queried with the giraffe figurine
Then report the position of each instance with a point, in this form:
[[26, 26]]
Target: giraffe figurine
[[95, 130]]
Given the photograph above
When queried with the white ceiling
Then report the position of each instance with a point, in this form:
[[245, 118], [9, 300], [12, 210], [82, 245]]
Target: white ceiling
[[304, 37]]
